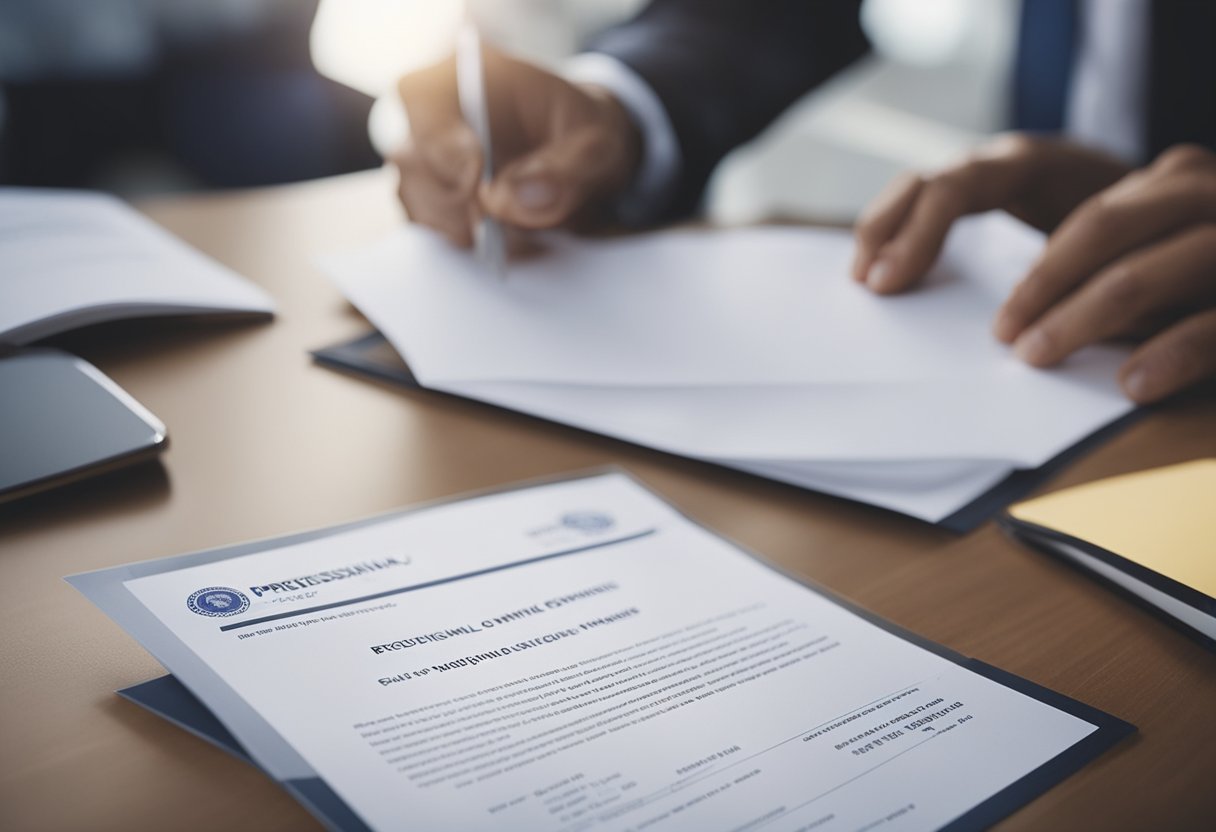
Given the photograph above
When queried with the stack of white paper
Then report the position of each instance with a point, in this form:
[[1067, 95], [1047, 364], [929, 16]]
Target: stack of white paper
[[69, 259], [750, 348]]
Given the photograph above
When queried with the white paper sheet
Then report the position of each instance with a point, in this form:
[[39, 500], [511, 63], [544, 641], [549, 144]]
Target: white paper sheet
[[839, 422], [749, 347], [579, 656], [69, 259], [734, 307]]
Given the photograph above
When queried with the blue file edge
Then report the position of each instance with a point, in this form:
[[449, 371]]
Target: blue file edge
[[171, 700]]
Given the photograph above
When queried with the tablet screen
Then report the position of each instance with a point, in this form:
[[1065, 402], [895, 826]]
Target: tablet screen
[[61, 418]]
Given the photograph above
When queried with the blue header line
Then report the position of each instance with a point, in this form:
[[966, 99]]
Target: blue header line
[[451, 579]]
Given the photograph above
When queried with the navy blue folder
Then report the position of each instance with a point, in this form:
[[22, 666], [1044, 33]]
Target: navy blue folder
[[170, 699]]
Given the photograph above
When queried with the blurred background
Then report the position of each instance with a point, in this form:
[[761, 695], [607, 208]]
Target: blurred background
[[150, 96]]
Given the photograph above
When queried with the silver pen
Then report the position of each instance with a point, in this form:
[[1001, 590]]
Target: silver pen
[[471, 91]]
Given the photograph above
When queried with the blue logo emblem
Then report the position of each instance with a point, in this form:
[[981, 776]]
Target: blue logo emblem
[[588, 521], [218, 601]]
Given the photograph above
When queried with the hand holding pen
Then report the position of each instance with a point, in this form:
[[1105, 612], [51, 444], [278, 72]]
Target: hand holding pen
[[559, 149]]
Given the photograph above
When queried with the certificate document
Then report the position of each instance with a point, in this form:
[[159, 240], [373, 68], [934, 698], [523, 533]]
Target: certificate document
[[579, 655]]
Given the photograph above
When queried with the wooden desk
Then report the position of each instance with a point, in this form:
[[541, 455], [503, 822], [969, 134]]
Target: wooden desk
[[265, 443]]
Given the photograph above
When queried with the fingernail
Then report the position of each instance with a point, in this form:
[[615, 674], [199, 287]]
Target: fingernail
[[1136, 385], [878, 277], [1033, 347], [535, 194]]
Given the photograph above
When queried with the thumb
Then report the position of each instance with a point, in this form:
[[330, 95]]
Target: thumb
[[548, 186]]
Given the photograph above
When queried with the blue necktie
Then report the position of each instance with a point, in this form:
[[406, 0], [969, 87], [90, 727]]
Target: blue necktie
[[1046, 48]]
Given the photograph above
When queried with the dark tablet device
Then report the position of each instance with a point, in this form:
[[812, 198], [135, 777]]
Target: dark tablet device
[[61, 420]]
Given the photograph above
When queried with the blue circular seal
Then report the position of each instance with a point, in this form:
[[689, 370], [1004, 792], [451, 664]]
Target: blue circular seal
[[218, 601], [588, 521]]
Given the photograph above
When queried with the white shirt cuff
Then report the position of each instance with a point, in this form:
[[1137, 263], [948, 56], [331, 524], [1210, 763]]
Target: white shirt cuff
[[660, 164]]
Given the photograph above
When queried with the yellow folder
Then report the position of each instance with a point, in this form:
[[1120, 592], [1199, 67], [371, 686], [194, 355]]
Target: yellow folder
[[1152, 532]]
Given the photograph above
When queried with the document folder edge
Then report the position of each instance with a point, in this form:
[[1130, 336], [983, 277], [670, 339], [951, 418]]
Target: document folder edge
[[172, 701], [1040, 539]]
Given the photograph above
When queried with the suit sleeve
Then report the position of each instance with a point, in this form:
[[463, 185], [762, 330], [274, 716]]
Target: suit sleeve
[[725, 69]]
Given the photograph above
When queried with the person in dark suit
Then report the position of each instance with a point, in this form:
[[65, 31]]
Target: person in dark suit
[[1114, 104]]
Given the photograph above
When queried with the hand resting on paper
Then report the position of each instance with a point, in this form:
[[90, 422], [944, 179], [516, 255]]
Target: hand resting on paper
[[561, 150], [1131, 253]]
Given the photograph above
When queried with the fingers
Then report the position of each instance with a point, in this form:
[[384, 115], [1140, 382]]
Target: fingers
[[454, 158], [901, 237], [1140, 209], [908, 256], [441, 165], [1178, 358], [548, 186], [1144, 286], [430, 99], [558, 147], [432, 197], [880, 220], [441, 144]]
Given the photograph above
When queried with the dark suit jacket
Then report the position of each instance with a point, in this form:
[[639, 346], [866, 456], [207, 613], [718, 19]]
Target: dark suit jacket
[[724, 69]]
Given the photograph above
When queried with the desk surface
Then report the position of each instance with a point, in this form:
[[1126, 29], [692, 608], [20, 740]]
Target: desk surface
[[265, 443]]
